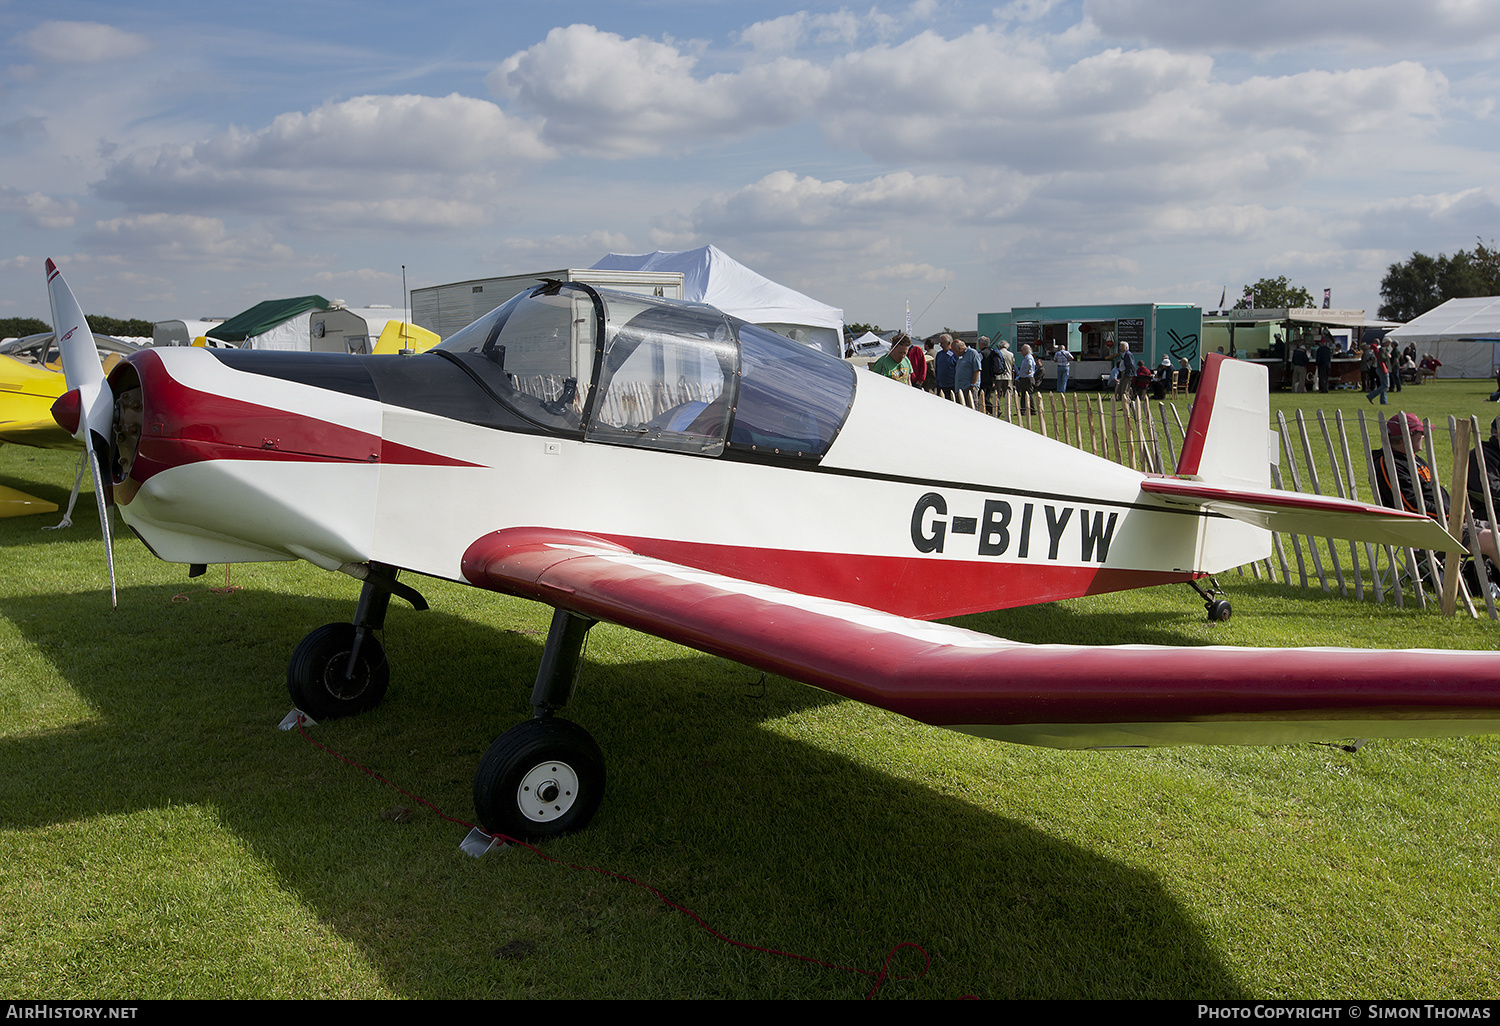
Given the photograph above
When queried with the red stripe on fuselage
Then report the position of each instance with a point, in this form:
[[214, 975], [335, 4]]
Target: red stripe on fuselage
[[922, 587], [184, 425]]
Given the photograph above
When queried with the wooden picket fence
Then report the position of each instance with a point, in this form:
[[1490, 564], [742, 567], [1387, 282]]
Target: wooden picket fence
[[1127, 431]]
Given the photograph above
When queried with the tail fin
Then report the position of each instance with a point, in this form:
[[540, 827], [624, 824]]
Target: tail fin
[[1226, 469], [1228, 440]]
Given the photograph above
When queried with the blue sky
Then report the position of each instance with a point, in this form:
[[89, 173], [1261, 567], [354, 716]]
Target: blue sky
[[188, 160]]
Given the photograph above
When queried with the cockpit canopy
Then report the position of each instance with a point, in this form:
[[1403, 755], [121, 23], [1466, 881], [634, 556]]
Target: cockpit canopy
[[627, 369]]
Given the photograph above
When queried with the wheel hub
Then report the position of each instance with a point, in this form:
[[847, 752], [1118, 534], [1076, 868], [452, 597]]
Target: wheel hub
[[547, 791], [342, 687]]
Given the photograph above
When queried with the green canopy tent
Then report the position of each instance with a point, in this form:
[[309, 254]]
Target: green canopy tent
[[259, 324]]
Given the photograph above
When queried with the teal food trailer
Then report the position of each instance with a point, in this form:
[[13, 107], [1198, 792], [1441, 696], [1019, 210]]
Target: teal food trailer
[[1095, 335]]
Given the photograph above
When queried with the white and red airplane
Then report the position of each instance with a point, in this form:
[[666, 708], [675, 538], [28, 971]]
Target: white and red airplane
[[669, 468]]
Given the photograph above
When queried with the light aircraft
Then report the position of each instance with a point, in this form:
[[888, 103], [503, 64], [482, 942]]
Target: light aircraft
[[669, 468], [31, 380]]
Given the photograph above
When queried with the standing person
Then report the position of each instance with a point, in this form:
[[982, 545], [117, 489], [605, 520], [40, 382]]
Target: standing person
[[894, 364], [968, 372], [1380, 371], [943, 364], [917, 357], [1299, 368], [989, 369], [1005, 376], [1127, 370], [1324, 358], [1393, 366], [1025, 382], [1064, 361], [929, 383]]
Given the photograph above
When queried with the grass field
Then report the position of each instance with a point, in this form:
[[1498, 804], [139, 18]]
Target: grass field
[[160, 838]]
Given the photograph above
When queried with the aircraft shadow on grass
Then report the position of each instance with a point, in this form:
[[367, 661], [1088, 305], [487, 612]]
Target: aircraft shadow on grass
[[1005, 910]]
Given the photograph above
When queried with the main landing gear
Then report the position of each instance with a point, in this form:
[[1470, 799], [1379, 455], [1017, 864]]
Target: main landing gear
[[1213, 600], [541, 778], [544, 777], [340, 669]]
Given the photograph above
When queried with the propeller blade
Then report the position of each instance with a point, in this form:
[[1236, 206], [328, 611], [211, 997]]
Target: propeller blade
[[109, 541], [81, 366], [84, 374]]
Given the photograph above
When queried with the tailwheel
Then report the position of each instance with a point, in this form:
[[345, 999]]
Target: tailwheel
[[337, 670], [1217, 607], [539, 779]]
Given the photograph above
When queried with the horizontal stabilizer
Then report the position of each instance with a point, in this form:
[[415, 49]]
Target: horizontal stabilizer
[[1322, 516]]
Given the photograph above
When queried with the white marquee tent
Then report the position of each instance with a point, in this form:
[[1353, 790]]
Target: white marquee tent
[[1461, 333], [711, 276]]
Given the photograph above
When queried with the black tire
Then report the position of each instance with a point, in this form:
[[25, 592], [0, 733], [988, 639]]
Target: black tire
[[1219, 610], [539, 779], [315, 675]]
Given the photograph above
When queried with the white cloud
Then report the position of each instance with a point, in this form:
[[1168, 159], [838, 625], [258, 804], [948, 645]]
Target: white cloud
[[401, 161], [776, 35], [601, 93], [906, 273], [1279, 25], [179, 238], [82, 42], [784, 201], [39, 209]]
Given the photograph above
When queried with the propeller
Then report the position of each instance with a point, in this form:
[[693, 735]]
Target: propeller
[[86, 410]]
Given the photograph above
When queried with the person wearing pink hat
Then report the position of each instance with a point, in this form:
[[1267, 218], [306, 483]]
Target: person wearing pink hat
[[1406, 484]]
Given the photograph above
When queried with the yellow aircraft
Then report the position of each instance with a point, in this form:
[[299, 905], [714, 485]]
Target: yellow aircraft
[[31, 380]]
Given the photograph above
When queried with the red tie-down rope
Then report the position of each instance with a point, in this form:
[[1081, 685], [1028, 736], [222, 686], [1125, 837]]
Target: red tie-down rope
[[881, 975]]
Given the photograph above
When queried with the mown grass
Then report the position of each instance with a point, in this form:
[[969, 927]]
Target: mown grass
[[160, 838]]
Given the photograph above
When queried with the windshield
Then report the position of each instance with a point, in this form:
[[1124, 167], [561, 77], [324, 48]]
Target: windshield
[[535, 353], [669, 375]]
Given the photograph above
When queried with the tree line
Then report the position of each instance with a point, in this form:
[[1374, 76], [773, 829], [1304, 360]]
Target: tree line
[[19, 327], [1409, 289], [1412, 288]]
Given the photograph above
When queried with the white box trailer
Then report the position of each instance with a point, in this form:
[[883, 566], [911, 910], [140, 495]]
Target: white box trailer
[[446, 308]]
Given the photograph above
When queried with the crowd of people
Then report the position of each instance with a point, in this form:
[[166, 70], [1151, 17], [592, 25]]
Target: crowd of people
[[1383, 368], [986, 375]]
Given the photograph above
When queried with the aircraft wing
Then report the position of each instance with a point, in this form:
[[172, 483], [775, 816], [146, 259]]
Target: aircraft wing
[[1322, 516], [1056, 695]]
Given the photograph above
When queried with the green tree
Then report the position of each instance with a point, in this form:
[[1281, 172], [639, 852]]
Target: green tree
[[120, 327], [1411, 288], [1276, 294], [1487, 263], [19, 327]]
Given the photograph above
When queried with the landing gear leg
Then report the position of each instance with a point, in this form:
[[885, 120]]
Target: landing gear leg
[[544, 777], [1213, 600], [340, 669]]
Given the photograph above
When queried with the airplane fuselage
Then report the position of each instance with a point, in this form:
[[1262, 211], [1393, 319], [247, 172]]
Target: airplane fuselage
[[918, 506]]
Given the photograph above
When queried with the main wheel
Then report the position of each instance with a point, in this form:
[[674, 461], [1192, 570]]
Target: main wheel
[[539, 779], [1218, 610], [318, 674]]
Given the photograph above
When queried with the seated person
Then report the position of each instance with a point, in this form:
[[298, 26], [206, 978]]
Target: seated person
[[1141, 381], [1490, 448], [1407, 487]]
